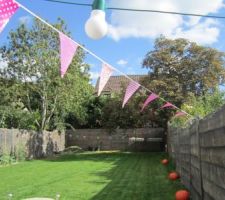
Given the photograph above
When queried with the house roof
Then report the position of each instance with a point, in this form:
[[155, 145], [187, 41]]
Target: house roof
[[115, 83]]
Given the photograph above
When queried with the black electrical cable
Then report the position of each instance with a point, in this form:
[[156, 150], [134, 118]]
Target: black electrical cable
[[140, 10], [66, 2]]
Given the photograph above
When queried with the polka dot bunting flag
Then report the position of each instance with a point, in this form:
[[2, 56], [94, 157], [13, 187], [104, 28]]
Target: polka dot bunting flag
[[7, 9]]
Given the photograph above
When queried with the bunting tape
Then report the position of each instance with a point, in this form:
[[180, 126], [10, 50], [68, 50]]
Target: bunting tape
[[94, 55]]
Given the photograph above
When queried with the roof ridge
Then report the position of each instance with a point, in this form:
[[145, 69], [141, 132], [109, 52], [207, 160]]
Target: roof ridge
[[129, 75]]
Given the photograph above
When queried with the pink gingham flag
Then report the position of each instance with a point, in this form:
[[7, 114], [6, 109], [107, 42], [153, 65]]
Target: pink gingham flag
[[179, 114], [168, 105], [67, 51], [151, 98], [104, 77], [131, 89], [7, 9]]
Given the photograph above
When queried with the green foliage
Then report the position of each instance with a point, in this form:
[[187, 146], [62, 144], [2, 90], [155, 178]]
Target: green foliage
[[107, 112], [179, 68], [32, 79], [12, 117], [7, 159], [185, 74], [201, 106], [20, 153], [94, 112], [204, 105], [131, 116]]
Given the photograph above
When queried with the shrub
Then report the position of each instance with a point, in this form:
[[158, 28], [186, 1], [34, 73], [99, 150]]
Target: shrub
[[20, 153], [7, 159]]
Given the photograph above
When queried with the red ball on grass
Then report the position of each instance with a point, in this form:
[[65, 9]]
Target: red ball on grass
[[173, 176], [165, 162], [182, 195]]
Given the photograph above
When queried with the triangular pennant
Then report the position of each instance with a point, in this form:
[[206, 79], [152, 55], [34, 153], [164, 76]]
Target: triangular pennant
[[7, 10], [150, 98], [67, 51], [179, 114], [168, 105], [131, 89], [104, 77]]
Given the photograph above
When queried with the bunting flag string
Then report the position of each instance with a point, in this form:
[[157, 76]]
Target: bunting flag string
[[129, 92], [168, 105], [67, 52], [151, 98], [7, 10], [131, 89], [104, 77]]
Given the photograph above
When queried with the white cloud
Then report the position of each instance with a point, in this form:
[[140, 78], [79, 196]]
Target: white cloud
[[25, 20], [204, 33], [122, 62], [124, 24]]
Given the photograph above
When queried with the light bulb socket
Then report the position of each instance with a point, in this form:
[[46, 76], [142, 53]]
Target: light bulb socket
[[99, 5]]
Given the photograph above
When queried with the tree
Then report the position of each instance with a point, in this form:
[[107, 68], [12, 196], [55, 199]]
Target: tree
[[32, 57], [93, 114], [130, 116], [178, 68]]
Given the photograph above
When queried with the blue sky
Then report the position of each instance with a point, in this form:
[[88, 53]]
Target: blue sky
[[131, 35]]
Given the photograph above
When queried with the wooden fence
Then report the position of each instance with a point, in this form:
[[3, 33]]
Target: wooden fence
[[199, 154]]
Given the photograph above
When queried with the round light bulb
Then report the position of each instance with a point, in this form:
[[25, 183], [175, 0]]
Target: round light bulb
[[96, 26]]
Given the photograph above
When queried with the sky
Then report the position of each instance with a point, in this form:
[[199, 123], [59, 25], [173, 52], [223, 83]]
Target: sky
[[131, 35]]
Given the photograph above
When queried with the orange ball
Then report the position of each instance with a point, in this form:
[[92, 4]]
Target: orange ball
[[165, 162], [182, 195], [173, 176]]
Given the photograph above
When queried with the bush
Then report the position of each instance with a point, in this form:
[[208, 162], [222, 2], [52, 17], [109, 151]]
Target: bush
[[7, 159], [20, 153]]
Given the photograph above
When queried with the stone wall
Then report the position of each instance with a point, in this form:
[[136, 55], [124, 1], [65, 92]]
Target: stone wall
[[199, 155], [35, 144], [144, 139]]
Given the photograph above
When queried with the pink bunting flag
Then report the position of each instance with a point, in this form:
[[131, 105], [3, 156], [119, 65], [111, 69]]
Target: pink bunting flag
[[7, 10], [151, 98], [168, 105], [104, 77], [67, 51], [131, 89], [179, 114]]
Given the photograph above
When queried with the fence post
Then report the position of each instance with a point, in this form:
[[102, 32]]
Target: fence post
[[200, 159]]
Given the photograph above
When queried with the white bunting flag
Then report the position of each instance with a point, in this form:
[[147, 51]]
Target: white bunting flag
[[104, 77]]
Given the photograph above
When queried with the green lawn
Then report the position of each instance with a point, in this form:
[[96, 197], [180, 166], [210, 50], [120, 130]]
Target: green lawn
[[93, 176]]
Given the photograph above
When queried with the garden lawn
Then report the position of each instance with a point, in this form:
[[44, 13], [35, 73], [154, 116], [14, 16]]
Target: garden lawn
[[93, 176]]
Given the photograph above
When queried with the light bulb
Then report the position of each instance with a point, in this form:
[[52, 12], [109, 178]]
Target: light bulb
[[96, 26]]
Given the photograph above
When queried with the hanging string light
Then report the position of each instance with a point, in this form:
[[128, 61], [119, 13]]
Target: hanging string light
[[96, 26]]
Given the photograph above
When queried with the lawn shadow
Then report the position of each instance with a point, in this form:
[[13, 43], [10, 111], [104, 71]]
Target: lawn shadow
[[138, 176], [87, 156], [133, 176]]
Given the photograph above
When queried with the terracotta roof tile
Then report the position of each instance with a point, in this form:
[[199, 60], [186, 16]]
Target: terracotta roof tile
[[116, 83]]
